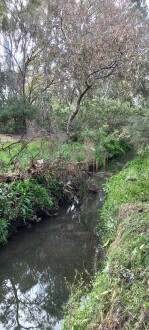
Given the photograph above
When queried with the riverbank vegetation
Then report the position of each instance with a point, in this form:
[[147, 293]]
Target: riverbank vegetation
[[74, 95], [31, 162], [118, 295], [28, 197]]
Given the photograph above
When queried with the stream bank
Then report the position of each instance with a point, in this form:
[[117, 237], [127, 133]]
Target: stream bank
[[118, 295], [27, 198], [43, 261]]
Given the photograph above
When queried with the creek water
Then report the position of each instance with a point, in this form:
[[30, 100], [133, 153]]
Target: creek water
[[37, 265]]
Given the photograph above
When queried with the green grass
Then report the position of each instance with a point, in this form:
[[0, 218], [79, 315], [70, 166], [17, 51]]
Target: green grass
[[40, 148], [117, 297], [24, 152]]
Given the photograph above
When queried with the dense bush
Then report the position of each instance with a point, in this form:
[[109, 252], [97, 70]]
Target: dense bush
[[98, 115], [111, 145], [51, 184], [13, 115]]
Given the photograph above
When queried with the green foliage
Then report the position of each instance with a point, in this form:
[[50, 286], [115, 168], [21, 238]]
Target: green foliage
[[40, 198], [59, 116], [96, 117], [13, 115], [39, 148], [22, 200], [15, 204], [52, 185], [137, 127], [85, 304], [55, 188], [112, 144], [121, 288], [100, 115], [129, 185], [74, 151]]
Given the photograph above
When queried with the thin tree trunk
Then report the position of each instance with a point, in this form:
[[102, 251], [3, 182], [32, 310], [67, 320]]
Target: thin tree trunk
[[76, 110]]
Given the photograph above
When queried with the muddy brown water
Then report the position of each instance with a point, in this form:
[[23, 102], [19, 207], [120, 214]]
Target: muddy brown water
[[36, 265]]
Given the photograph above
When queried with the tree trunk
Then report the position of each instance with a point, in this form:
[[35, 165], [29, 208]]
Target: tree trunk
[[76, 110]]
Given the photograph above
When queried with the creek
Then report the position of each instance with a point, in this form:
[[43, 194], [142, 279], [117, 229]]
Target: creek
[[37, 265]]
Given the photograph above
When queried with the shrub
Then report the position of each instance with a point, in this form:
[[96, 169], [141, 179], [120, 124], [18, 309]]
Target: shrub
[[22, 200], [112, 144], [32, 198], [74, 151], [14, 114]]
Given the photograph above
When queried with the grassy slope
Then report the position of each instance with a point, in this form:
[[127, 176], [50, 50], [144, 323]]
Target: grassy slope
[[118, 298]]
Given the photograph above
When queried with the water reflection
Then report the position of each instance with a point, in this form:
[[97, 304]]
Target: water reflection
[[33, 268]]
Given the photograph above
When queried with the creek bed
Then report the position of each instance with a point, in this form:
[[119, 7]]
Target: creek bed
[[36, 265]]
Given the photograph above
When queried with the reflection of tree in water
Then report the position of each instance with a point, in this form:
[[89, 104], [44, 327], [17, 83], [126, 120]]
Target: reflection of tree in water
[[33, 298], [33, 288], [30, 309], [33, 269]]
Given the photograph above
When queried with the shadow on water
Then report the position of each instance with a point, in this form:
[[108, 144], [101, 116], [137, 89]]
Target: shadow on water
[[34, 265]]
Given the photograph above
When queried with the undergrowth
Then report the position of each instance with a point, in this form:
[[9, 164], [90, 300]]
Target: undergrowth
[[52, 148], [23, 200], [117, 297]]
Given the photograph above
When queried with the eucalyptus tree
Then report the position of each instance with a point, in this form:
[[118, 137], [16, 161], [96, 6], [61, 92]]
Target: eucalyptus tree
[[72, 47], [99, 40]]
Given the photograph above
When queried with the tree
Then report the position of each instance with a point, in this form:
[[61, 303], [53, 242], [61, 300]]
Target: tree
[[104, 40], [53, 47], [27, 45]]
